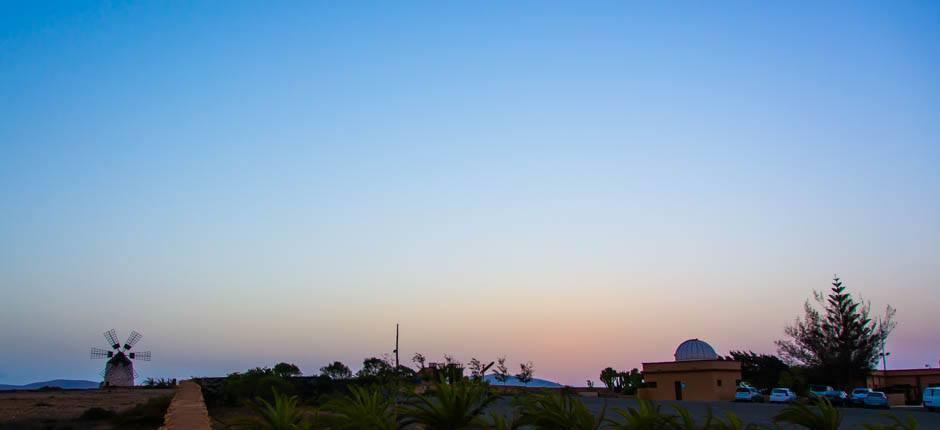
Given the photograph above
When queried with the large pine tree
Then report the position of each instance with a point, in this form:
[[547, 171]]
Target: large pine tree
[[839, 344]]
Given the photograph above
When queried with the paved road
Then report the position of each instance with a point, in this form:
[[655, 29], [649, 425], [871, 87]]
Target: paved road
[[764, 412]]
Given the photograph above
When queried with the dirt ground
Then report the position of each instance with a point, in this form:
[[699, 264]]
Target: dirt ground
[[28, 409]]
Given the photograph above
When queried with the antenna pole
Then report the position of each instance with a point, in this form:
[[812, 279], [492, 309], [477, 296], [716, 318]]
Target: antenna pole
[[396, 347]]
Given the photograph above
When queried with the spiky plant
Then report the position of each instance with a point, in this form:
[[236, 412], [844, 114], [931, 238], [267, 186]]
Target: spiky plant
[[450, 406], [646, 416], [499, 421], [283, 414], [557, 411], [823, 416], [896, 424], [361, 408]]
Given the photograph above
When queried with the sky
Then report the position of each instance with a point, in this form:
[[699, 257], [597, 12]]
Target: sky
[[579, 184]]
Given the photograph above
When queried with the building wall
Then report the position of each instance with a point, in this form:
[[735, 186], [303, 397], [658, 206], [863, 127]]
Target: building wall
[[918, 379], [701, 379]]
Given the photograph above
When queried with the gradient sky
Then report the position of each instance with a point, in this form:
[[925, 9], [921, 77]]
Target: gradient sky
[[580, 185]]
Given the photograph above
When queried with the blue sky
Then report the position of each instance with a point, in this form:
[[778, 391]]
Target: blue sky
[[246, 182]]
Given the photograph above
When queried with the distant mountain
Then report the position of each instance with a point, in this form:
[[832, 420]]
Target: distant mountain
[[68, 384], [514, 382]]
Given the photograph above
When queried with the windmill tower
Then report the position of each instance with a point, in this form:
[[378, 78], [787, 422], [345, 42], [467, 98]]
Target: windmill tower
[[119, 369]]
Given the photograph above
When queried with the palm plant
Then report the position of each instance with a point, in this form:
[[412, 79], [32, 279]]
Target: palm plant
[[647, 416], [450, 406], [499, 421], [362, 408], [283, 414], [828, 417], [896, 424], [685, 420], [557, 411]]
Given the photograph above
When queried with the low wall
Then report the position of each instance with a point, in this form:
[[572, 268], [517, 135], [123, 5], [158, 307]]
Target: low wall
[[187, 411]]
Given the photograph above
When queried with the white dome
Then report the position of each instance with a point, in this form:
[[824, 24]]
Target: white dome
[[694, 349]]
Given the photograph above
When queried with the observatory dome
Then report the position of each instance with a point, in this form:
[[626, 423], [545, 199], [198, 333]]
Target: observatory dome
[[694, 349]]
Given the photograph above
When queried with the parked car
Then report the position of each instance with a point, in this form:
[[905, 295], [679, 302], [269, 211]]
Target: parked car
[[836, 397], [748, 394], [932, 398], [876, 399], [782, 395], [858, 396], [818, 390]]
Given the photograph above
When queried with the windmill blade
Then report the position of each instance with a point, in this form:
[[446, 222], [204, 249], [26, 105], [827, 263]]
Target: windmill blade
[[112, 338], [142, 356], [101, 353], [132, 339]]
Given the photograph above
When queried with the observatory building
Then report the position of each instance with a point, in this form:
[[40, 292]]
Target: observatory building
[[698, 373]]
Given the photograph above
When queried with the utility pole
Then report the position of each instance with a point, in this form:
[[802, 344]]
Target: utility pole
[[396, 347]]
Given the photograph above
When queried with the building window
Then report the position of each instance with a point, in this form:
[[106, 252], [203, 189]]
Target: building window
[[651, 384], [719, 382]]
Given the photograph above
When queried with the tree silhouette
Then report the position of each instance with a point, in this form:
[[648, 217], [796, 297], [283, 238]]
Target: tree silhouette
[[839, 344], [526, 371], [336, 370], [286, 370], [502, 372]]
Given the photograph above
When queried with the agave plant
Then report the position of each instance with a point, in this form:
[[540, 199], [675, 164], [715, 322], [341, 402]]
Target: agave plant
[[361, 408], [450, 406], [557, 411], [283, 414], [648, 416], [896, 424], [827, 417]]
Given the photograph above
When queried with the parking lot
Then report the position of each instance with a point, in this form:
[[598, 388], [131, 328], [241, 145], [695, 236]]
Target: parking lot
[[764, 412]]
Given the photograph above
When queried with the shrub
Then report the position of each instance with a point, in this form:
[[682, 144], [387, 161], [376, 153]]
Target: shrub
[[560, 411], [827, 418], [362, 408], [646, 416], [450, 406], [96, 414], [147, 414], [283, 414]]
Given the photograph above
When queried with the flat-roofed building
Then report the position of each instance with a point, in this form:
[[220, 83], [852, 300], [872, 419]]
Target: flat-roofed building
[[698, 373]]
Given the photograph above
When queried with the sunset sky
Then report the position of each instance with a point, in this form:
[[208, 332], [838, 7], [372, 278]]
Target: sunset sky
[[579, 185]]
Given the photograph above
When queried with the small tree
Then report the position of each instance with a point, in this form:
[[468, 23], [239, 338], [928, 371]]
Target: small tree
[[286, 370], [608, 378], [526, 371], [374, 366], [502, 372], [419, 360], [628, 382], [336, 370], [476, 368]]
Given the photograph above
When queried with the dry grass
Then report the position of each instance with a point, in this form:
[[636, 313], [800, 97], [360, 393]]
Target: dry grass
[[27, 408]]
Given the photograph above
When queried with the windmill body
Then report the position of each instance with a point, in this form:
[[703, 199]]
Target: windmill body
[[119, 369]]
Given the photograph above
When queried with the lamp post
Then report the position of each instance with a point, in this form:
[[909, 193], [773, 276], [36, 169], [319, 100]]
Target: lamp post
[[884, 363], [884, 360]]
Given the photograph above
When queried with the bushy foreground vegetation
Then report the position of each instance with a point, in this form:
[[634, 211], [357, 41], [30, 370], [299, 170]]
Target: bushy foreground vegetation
[[467, 404], [147, 415]]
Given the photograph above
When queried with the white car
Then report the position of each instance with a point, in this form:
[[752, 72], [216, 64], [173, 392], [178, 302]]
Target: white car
[[932, 398], [748, 394], [782, 395]]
